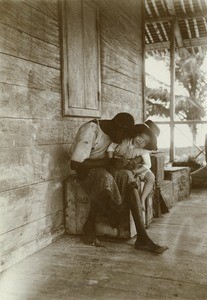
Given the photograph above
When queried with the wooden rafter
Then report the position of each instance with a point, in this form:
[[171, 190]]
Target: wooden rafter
[[187, 43], [188, 28], [164, 31], [183, 6], [158, 46], [191, 5], [157, 30], [147, 8], [177, 32], [190, 25], [181, 16], [149, 34], [205, 23], [155, 7], [170, 7], [195, 42], [195, 25]]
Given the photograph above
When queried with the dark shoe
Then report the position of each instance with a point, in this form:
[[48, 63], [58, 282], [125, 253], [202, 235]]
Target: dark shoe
[[154, 248]]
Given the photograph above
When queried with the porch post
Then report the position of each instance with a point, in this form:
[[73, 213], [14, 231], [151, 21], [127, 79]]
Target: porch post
[[143, 62], [172, 92]]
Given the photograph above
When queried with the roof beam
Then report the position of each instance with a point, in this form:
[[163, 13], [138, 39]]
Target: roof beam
[[157, 46], [178, 35], [155, 7], [183, 6], [190, 43], [201, 14], [195, 42], [177, 32], [170, 7]]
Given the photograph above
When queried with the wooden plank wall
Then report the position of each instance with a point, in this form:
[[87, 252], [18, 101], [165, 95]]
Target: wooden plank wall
[[121, 55], [34, 135]]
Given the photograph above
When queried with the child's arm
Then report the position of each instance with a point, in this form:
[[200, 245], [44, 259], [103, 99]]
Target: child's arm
[[117, 160], [111, 149], [110, 154], [146, 165]]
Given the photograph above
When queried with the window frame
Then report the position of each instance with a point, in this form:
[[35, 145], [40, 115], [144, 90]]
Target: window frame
[[68, 109]]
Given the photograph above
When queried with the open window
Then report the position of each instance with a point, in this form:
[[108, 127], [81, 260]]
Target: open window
[[80, 58]]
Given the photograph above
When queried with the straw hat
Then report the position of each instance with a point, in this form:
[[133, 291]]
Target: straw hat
[[153, 126], [151, 129]]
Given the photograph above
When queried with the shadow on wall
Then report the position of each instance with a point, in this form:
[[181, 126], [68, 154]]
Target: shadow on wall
[[51, 163]]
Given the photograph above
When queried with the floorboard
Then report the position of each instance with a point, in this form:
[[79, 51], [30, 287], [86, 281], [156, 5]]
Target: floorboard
[[68, 269]]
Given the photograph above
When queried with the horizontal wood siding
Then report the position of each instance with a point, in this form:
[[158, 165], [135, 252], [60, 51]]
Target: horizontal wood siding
[[30, 19], [35, 137], [121, 57], [25, 240]]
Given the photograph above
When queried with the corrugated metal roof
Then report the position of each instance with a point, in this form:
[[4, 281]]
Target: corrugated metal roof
[[190, 17]]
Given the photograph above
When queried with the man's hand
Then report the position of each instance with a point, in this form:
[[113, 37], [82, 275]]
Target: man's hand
[[119, 163], [137, 161], [130, 165]]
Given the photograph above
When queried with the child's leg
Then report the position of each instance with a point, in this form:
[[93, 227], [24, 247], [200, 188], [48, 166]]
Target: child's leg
[[148, 186]]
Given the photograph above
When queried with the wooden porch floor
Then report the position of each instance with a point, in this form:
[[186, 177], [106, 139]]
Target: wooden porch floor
[[68, 269]]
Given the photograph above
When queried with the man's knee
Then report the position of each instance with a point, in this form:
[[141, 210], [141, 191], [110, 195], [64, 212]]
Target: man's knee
[[125, 173], [103, 175]]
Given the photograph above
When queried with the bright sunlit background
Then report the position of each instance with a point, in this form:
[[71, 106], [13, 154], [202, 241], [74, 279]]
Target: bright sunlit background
[[157, 75]]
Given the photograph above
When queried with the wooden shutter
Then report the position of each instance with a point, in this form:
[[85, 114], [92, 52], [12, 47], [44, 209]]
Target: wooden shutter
[[81, 58]]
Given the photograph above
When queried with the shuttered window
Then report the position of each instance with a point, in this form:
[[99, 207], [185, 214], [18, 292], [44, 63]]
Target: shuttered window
[[81, 58]]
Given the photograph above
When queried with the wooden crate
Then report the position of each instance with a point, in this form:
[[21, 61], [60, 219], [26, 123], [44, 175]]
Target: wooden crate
[[199, 177], [156, 202], [166, 193], [76, 212], [157, 161], [180, 177], [149, 211], [77, 209], [163, 198]]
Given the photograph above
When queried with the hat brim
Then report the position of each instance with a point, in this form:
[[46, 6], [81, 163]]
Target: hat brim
[[143, 128]]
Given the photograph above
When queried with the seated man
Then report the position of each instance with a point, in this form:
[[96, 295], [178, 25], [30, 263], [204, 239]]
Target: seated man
[[106, 181]]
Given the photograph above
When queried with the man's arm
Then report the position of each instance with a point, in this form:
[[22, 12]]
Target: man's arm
[[89, 164], [81, 149]]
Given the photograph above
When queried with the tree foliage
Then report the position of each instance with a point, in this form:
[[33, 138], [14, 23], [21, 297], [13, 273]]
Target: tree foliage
[[190, 76], [158, 102]]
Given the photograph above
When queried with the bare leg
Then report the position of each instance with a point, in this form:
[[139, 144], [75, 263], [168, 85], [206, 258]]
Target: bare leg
[[143, 241], [147, 189], [89, 228]]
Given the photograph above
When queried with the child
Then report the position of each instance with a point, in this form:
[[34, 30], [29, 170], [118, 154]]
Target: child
[[143, 139]]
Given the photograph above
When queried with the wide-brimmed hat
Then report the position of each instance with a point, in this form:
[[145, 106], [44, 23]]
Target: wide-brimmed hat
[[124, 121], [151, 129], [153, 126]]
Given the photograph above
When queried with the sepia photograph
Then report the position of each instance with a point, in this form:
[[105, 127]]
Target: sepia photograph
[[103, 149]]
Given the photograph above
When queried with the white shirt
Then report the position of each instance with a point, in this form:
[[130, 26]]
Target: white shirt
[[90, 142], [127, 150]]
